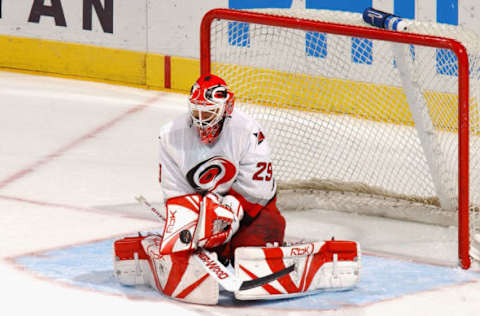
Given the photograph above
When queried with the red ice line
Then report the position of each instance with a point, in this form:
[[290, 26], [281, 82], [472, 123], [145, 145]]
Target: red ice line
[[74, 208], [59, 152]]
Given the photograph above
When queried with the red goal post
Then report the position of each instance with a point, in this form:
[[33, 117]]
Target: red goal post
[[375, 34]]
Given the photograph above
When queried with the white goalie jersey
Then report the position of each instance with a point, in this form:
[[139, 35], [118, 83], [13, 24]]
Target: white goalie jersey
[[238, 161]]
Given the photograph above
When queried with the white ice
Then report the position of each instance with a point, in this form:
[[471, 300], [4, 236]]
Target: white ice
[[71, 149]]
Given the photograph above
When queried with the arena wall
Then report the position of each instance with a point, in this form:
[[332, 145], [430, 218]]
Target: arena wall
[[150, 43]]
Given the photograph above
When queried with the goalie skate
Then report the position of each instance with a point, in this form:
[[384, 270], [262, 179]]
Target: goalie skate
[[319, 266]]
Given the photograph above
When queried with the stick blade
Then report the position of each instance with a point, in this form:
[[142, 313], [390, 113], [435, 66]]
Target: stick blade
[[250, 284]]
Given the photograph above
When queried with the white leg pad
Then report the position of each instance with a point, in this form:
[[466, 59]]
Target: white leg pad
[[137, 261], [131, 272], [179, 275], [130, 262], [319, 266]]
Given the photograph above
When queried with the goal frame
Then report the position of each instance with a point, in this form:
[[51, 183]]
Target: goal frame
[[376, 34]]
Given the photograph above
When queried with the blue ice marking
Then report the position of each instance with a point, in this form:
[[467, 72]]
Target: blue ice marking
[[90, 266]]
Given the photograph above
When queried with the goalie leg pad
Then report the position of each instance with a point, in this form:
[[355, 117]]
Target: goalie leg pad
[[178, 275], [130, 262], [329, 265]]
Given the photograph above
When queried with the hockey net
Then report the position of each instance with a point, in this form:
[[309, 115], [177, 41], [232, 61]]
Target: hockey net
[[359, 119]]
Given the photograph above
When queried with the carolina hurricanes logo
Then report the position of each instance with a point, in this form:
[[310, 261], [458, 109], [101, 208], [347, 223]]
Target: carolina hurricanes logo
[[209, 174], [260, 137]]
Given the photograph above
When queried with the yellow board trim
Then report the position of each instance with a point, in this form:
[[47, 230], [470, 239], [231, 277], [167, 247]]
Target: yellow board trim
[[185, 71], [288, 90], [155, 71], [147, 70], [84, 61]]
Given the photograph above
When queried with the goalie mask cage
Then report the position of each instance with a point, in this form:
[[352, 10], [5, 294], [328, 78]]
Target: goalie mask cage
[[360, 119]]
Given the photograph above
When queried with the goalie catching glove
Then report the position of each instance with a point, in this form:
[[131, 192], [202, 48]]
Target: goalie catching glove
[[218, 221], [194, 221]]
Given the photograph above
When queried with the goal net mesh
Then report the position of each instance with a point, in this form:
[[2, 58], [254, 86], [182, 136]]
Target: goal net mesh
[[359, 125]]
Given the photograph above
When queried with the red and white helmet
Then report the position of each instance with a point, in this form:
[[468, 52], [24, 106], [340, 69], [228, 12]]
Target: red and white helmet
[[210, 102]]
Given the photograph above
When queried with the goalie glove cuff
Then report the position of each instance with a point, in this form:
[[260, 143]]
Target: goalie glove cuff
[[219, 220]]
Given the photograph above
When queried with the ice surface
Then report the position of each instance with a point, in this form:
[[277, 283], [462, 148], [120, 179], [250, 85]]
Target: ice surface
[[73, 156]]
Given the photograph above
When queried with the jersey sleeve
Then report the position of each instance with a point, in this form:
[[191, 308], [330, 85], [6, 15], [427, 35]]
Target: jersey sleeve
[[255, 184], [171, 179]]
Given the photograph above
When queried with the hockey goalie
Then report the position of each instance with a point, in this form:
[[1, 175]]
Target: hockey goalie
[[220, 209]]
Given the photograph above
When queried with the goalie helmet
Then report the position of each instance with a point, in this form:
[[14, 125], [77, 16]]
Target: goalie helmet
[[210, 102]]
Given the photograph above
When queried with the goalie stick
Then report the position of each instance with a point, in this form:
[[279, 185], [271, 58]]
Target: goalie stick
[[216, 269]]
